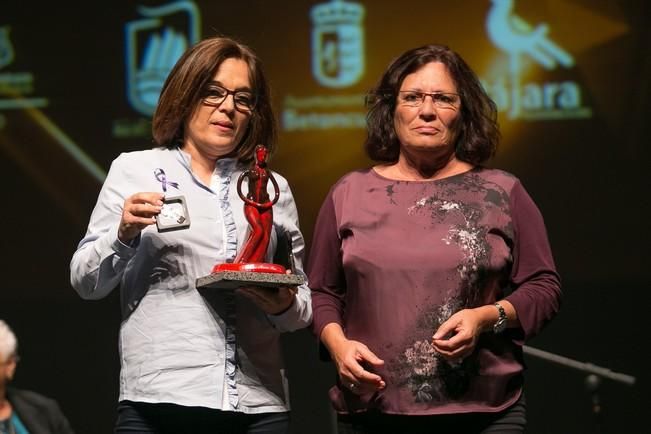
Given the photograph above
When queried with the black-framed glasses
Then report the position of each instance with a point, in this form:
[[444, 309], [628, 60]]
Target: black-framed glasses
[[215, 95], [444, 100]]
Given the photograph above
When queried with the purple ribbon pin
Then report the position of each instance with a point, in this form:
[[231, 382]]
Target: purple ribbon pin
[[162, 178]]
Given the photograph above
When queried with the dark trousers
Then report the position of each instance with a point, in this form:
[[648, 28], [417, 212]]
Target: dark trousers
[[510, 421], [145, 418]]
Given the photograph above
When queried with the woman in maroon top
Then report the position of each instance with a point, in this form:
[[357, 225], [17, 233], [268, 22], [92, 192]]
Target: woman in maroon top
[[428, 270]]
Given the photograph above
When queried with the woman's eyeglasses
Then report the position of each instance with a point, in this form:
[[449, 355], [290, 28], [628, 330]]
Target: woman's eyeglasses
[[215, 95], [444, 100]]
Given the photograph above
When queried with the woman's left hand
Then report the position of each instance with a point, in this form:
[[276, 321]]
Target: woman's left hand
[[456, 338], [271, 300]]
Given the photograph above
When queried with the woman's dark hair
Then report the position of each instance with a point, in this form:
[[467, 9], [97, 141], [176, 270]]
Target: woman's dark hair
[[183, 90], [477, 133]]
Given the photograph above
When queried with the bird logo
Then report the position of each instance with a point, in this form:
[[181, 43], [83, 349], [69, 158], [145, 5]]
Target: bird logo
[[516, 37]]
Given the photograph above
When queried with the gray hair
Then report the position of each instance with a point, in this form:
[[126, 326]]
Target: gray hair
[[8, 342]]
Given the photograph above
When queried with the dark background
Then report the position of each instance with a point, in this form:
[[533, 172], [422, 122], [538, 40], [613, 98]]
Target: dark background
[[588, 176]]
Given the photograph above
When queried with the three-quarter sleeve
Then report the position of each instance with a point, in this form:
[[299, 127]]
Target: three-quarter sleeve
[[325, 269], [537, 294]]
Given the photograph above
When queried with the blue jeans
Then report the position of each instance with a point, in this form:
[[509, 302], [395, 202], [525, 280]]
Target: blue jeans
[[145, 418]]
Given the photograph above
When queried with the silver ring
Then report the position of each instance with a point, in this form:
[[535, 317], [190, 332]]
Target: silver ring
[[352, 386]]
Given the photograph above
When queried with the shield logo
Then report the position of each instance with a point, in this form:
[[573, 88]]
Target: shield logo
[[154, 43], [337, 43]]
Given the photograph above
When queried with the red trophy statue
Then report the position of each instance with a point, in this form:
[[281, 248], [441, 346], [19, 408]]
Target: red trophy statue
[[259, 213], [249, 266]]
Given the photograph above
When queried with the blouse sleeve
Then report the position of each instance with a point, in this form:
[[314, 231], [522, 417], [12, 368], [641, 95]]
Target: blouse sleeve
[[537, 294], [99, 262], [299, 314], [325, 269]]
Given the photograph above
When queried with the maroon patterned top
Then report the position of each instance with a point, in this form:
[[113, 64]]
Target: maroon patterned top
[[391, 260]]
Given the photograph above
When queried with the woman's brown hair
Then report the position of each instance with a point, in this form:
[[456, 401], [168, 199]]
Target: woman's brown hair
[[477, 132], [183, 90]]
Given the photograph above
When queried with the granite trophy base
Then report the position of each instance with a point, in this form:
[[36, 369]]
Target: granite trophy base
[[239, 279]]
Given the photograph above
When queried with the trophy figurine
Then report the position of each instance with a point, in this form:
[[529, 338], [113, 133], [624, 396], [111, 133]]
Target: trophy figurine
[[248, 268]]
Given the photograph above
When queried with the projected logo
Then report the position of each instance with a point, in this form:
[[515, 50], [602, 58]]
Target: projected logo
[[337, 62], [16, 88], [519, 40], [153, 45], [6, 49], [337, 43]]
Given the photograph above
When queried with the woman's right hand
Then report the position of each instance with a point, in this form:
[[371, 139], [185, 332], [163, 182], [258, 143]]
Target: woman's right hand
[[138, 212], [354, 361]]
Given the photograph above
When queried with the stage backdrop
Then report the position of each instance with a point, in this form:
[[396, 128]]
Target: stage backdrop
[[79, 82]]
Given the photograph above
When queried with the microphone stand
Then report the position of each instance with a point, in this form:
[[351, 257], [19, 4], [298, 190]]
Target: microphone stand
[[592, 381]]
